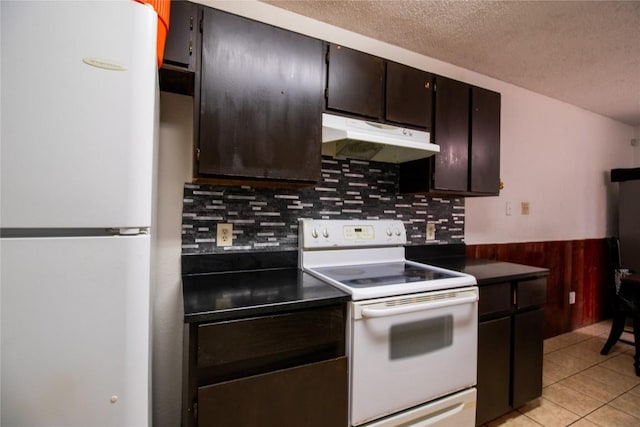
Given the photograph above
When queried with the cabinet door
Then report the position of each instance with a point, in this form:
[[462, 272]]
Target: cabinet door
[[409, 96], [355, 82], [528, 336], [314, 395], [494, 353], [180, 43], [485, 141], [451, 164], [260, 100]]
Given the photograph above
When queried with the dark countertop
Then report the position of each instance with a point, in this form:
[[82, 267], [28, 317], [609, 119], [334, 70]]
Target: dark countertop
[[489, 271], [229, 295], [230, 286], [485, 271]]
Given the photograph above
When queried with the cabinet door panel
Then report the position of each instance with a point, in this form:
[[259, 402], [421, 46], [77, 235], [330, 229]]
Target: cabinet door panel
[[531, 293], [409, 98], [452, 134], [528, 336], [494, 353], [260, 100], [355, 82], [485, 141], [261, 343], [494, 298], [314, 395], [180, 42]]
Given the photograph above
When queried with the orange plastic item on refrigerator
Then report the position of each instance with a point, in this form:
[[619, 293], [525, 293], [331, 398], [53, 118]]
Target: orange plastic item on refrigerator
[[162, 8]]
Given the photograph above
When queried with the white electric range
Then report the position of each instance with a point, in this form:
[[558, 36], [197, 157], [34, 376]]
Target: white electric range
[[412, 328]]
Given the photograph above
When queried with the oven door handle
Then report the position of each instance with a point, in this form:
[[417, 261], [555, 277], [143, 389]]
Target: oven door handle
[[385, 312]]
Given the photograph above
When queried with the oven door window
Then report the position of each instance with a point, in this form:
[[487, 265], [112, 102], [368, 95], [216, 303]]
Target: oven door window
[[420, 337]]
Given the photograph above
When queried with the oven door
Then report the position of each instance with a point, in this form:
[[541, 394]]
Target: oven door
[[411, 349]]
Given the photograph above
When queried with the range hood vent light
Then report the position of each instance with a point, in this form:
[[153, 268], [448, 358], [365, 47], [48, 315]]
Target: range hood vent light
[[378, 142]]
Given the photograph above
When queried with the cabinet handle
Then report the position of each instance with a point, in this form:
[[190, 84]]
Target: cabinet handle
[[427, 85]]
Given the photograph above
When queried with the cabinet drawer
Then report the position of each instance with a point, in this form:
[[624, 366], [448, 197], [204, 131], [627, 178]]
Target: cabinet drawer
[[313, 395], [494, 299], [531, 293], [248, 346]]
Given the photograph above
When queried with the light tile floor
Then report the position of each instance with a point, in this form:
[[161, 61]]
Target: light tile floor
[[582, 388]]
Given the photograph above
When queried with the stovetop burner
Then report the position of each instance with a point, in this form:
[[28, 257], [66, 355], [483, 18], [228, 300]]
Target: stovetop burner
[[383, 274], [366, 258]]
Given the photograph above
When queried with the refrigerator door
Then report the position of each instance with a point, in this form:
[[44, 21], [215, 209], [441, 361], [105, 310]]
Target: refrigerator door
[[75, 331], [78, 87]]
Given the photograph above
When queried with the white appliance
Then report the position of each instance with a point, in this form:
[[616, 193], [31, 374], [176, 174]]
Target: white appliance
[[412, 329], [79, 91], [380, 142]]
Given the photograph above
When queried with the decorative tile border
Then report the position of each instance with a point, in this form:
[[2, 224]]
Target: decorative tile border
[[266, 219]]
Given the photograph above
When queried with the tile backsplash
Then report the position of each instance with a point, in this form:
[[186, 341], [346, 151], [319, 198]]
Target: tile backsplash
[[266, 219]]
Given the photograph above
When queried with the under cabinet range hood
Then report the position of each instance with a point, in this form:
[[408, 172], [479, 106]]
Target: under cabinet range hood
[[379, 142]]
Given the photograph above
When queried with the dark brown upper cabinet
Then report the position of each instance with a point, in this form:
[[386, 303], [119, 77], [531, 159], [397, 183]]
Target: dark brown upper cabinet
[[179, 60], [409, 96], [260, 98], [370, 87], [451, 164], [355, 82], [467, 129], [485, 141]]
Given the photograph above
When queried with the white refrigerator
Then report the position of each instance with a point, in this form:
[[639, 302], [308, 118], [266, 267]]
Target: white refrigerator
[[78, 119]]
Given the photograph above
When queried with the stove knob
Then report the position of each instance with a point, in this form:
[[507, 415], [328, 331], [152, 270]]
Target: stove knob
[[325, 233], [398, 232], [314, 233], [389, 233]]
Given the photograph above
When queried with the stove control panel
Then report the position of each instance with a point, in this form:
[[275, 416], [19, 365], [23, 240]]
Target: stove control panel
[[336, 233]]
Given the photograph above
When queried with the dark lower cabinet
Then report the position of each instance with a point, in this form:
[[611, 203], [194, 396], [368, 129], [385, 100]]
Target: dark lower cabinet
[[494, 369], [528, 339], [284, 369], [510, 345], [312, 395]]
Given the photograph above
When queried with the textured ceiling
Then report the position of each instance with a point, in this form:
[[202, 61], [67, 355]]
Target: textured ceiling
[[586, 53]]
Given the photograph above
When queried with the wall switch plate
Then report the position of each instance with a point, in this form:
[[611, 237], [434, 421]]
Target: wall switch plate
[[507, 208], [572, 297], [431, 231], [524, 206], [224, 235]]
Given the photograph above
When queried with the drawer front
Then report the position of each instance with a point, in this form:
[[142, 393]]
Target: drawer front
[[531, 293], [313, 395], [494, 299], [269, 339]]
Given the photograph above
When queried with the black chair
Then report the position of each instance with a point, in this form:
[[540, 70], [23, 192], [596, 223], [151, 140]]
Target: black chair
[[624, 293]]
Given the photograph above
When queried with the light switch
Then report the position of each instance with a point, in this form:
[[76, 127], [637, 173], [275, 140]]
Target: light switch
[[524, 208]]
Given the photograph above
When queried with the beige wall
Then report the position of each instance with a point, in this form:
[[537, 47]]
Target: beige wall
[[175, 147], [553, 155]]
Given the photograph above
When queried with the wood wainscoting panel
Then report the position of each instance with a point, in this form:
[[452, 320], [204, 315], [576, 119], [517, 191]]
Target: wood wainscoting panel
[[574, 265]]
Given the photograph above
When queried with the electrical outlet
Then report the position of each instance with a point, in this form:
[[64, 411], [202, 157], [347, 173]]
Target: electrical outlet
[[524, 206], [224, 235], [431, 231], [572, 297]]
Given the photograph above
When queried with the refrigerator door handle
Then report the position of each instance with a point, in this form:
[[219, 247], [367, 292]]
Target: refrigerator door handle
[[129, 231]]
